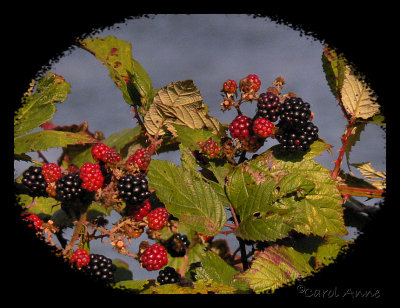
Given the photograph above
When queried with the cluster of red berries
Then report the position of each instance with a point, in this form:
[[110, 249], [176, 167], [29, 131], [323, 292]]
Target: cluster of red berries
[[103, 153], [141, 158]]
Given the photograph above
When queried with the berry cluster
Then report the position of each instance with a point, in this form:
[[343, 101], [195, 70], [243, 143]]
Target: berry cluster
[[158, 218], [168, 275], [35, 181], [154, 257], [140, 158], [100, 268], [80, 258], [209, 148], [268, 106], [103, 153], [294, 130], [92, 177], [133, 188]]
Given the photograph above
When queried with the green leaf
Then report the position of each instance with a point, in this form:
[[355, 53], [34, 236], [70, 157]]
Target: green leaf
[[38, 107], [180, 103], [254, 197], [41, 206], [135, 286], [44, 140], [128, 75], [319, 212], [186, 197], [328, 251], [189, 137], [216, 269], [275, 267], [334, 66], [198, 287]]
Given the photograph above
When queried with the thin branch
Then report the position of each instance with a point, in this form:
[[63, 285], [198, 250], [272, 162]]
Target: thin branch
[[42, 157], [75, 236]]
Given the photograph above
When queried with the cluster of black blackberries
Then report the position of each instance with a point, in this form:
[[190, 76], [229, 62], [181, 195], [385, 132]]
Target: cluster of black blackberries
[[296, 132], [100, 268], [133, 189], [168, 275], [69, 187], [34, 180]]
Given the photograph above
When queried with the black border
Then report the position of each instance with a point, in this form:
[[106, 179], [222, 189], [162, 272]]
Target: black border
[[39, 35]]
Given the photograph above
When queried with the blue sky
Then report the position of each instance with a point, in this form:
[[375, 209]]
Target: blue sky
[[209, 49]]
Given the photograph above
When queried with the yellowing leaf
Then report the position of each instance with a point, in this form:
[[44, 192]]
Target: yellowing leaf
[[377, 178], [357, 98], [180, 103]]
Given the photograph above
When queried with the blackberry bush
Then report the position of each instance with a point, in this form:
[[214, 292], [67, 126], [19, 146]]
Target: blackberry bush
[[226, 186]]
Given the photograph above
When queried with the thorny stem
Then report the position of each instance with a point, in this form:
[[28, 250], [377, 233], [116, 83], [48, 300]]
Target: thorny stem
[[345, 139], [137, 117]]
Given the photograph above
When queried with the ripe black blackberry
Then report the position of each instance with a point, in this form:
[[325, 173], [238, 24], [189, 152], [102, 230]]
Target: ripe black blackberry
[[34, 180], [100, 268], [295, 112], [177, 244], [133, 188], [268, 106], [69, 187], [168, 276], [297, 139]]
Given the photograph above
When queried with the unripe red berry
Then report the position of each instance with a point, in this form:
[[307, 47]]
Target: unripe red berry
[[210, 148], [51, 172], [102, 152], [80, 257], [256, 83], [92, 177], [141, 158], [240, 127], [154, 257], [229, 86], [263, 127], [158, 218]]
